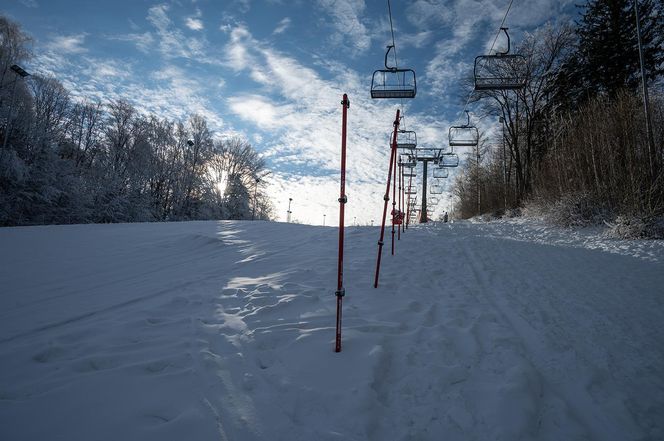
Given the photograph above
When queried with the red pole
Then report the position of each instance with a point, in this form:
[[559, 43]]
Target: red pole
[[410, 182], [386, 198], [342, 202], [399, 197], [394, 196], [403, 199]]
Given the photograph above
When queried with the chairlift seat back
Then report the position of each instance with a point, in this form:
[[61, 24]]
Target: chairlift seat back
[[464, 136], [500, 72], [406, 139], [448, 160], [393, 83]]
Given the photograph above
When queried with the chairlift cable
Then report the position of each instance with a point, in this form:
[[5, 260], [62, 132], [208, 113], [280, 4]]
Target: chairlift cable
[[396, 63], [502, 23]]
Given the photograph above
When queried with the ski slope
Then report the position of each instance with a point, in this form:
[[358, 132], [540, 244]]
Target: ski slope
[[507, 330]]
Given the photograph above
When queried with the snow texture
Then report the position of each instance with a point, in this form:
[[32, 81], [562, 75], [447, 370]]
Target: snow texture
[[507, 330]]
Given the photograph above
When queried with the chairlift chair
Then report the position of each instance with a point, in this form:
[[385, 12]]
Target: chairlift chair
[[407, 139], [436, 189], [440, 173], [410, 191], [433, 200], [450, 159], [502, 71], [465, 135], [407, 160], [392, 82]]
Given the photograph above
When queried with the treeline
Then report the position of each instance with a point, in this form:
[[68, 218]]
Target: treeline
[[65, 161], [573, 142]]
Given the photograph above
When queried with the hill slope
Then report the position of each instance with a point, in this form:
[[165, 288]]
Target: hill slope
[[225, 330]]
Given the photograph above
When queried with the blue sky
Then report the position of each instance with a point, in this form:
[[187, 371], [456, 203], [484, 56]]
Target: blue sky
[[274, 71]]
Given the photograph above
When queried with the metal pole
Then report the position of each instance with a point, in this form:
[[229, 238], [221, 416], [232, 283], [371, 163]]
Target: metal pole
[[646, 105], [9, 114], [502, 120], [408, 207], [423, 208], [386, 198], [399, 205], [341, 292], [394, 197], [324, 219], [477, 168], [402, 206], [253, 212], [288, 218]]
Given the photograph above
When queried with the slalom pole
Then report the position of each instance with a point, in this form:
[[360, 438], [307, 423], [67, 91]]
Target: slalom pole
[[386, 198], [340, 292], [399, 197], [410, 182], [394, 196], [403, 200]]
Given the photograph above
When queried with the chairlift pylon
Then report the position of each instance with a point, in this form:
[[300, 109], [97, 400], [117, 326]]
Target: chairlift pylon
[[501, 71], [393, 82], [465, 135]]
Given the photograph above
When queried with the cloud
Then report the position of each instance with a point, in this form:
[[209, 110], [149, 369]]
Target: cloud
[[346, 19], [194, 24], [30, 3], [143, 42], [298, 116], [171, 41], [282, 26], [68, 44]]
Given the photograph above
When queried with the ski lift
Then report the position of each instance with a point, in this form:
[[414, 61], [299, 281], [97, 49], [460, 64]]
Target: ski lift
[[465, 135], [427, 153], [407, 139], [440, 173], [436, 189], [392, 82], [408, 162], [502, 71], [433, 200], [410, 191], [448, 160], [409, 173]]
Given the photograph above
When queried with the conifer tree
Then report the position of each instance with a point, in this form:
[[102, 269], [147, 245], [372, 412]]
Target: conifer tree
[[607, 58]]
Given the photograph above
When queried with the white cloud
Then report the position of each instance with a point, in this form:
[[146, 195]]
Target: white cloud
[[30, 3], [143, 42], [171, 41], [300, 116], [68, 44], [194, 24], [346, 19], [282, 26]]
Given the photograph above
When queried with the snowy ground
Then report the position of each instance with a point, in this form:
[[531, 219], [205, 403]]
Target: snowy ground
[[224, 331]]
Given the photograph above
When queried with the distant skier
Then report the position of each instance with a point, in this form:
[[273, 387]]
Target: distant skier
[[445, 217]]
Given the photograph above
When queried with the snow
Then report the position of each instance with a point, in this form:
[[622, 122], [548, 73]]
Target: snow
[[507, 330]]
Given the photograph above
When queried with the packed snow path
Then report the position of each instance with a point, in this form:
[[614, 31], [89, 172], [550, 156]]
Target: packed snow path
[[225, 331]]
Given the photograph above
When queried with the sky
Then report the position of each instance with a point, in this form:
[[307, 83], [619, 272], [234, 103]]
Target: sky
[[274, 72]]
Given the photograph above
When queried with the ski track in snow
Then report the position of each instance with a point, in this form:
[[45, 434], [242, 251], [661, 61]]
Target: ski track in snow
[[224, 331]]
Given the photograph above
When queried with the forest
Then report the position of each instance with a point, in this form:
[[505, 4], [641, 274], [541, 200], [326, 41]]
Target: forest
[[574, 145], [65, 160]]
